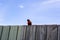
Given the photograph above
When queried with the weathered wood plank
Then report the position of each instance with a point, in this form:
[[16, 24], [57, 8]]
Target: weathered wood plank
[[1, 31], [52, 32], [59, 32], [32, 32], [27, 33], [24, 32], [37, 33], [5, 33], [43, 32], [13, 33], [21, 32]]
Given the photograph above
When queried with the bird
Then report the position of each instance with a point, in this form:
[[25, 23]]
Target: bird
[[29, 22]]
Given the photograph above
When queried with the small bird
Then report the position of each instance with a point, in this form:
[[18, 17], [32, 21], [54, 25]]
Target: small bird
[[29, 22]]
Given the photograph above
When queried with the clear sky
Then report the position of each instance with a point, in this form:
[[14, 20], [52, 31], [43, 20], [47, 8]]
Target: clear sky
[[38, 11]]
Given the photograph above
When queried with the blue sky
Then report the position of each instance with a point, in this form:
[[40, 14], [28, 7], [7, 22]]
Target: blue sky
[[38, 11]]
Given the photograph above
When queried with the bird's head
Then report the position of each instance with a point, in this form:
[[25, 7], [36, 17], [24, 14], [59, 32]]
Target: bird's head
[[28, 19]]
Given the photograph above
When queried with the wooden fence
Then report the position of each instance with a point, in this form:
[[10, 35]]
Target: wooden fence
[[34, 32]]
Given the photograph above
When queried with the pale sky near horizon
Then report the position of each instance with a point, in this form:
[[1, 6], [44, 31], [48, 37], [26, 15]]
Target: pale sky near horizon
[[38, 11]]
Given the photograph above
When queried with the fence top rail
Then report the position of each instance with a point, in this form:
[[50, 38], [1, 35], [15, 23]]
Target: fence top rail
[[32, 25]]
